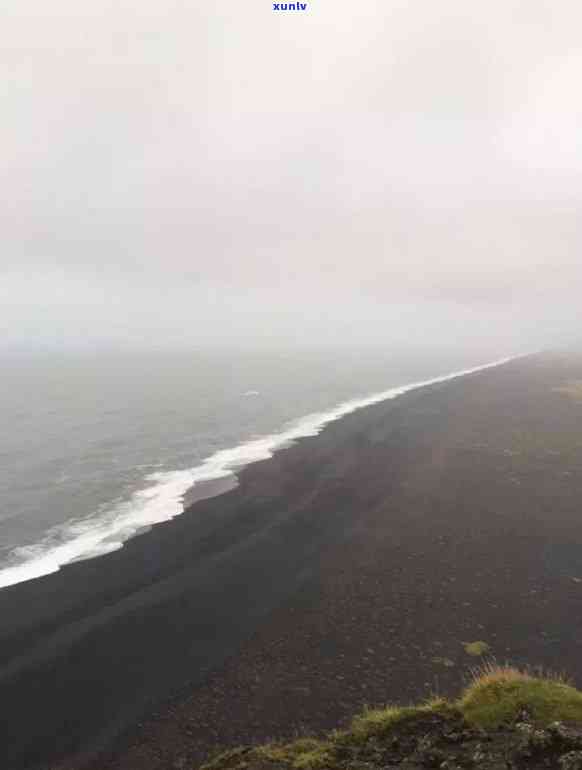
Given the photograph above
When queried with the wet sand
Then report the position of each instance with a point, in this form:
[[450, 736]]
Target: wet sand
[[348, 569]]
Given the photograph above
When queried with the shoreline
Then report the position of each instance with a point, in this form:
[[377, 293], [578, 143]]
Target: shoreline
[[215, 475], [323, 580]]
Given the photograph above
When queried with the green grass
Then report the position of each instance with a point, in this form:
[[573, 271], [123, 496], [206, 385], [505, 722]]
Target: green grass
[[302, 754], [376, 723], [319, 754], [498, 694], [476, 648]]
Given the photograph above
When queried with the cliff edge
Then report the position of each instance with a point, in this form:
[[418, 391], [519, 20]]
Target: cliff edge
[[506, 719]]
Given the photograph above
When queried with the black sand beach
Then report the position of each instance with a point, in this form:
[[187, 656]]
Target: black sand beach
[[348, 569]]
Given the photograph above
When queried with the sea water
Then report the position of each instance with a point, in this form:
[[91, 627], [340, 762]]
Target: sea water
[[96, 447]]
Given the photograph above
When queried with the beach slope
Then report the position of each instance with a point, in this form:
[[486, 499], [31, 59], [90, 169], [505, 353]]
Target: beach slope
[[353, 567]]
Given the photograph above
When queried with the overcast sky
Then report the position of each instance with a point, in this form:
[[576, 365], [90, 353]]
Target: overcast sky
[[195, 171]]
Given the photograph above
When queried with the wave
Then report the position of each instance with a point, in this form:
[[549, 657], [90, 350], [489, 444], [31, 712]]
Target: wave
[[163, 498]]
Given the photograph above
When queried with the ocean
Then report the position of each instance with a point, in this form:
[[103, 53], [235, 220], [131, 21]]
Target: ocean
[[98, 447]]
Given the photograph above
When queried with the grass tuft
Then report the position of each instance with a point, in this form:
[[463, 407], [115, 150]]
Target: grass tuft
[[376, 723], [476, 648], [496, 696], [499, 693], [302, 754]]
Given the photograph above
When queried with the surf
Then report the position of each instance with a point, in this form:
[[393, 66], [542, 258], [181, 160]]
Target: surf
[[162, 497]]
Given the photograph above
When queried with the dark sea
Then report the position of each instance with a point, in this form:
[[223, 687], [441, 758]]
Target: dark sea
[[97, 447]]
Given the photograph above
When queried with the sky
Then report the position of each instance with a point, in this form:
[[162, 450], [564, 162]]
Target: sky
[[219, 173]]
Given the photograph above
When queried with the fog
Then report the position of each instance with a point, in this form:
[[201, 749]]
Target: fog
[[380, 172]]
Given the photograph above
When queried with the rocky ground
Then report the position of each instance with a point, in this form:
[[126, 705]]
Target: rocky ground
[[436, 740], [506, 719]]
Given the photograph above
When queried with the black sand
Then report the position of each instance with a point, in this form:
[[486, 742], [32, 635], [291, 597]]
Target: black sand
[[348, 569]]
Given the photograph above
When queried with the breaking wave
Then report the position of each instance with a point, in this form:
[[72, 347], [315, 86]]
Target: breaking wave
[[163, 496]]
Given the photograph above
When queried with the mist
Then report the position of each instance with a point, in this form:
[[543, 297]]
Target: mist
[[379, 174]]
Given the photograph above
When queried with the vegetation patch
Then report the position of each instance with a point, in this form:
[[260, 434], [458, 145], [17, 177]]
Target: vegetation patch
[[377, 723], [303, 754], [499, 694], [506, 718], [476, 649]]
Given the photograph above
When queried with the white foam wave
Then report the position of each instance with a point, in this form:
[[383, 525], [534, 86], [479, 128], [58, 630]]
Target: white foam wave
[[162, 499]]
